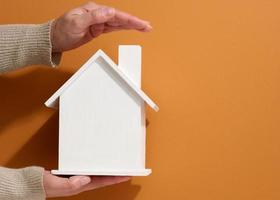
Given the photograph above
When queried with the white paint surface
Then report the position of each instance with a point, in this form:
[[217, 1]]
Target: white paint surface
[[52, 102], [144, 172], [130, 62], [100, 123]]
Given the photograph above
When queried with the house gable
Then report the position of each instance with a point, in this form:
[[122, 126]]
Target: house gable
[[99, 56], [97, 109]]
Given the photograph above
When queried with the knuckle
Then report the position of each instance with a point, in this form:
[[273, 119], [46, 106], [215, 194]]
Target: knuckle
[[75, 21], [97, 13]]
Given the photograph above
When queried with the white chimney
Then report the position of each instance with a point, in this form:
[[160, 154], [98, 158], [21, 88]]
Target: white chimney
[[130, 62]]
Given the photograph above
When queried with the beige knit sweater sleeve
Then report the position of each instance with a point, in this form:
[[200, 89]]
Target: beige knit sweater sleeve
[[21, 184], [23, 45], [26, 44]]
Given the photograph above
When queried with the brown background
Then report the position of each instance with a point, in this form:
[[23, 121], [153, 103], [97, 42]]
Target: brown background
[[212, 66]]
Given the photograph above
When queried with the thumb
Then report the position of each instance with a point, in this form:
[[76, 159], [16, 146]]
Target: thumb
[[76, 182], [98, 16]]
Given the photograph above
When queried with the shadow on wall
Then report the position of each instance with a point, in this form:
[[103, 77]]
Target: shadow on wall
[[41, 149], [25, 91], [32, 89]]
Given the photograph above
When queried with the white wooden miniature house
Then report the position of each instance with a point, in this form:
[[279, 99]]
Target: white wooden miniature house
[[102, 129]]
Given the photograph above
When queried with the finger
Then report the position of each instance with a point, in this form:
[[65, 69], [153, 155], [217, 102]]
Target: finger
[[114, 23], [98, 16], [129, 20], [72, 185], [56, 182], [111, 29], [148, 27], [102, 181], [75, 183], [108, 29], [96, 30], [58, 186]]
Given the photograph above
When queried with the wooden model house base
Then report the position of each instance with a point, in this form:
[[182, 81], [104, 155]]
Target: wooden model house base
[[144, 172]]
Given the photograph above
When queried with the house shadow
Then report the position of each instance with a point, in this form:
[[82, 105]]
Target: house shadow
[[25, 94], [42, 150]]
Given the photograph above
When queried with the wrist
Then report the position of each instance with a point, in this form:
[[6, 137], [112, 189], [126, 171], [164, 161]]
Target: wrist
[[53, 37]]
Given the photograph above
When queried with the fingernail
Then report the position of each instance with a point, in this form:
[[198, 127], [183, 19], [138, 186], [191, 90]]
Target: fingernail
[[85, 180], [108, 11], [149, 26]]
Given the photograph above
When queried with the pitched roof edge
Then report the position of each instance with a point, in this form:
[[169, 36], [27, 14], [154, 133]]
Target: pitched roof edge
[[130, 83], [52, 102]]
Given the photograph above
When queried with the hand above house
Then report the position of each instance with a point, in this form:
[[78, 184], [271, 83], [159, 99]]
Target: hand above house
[[82, 24]]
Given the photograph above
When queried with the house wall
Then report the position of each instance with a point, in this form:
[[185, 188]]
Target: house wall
[[100, 123], [213, 68]]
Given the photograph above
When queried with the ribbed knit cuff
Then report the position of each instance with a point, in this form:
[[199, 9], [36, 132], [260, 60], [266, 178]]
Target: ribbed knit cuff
[[22, 184], [22, 45]]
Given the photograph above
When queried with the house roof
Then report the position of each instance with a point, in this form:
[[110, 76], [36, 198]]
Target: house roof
[[52, 102]]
